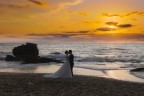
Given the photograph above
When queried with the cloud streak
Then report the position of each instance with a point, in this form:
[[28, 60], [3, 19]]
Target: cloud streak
[[13, 5], [112, 23], [62, 35], [105, 29], [115, 24], [125, 25], [85, 35], [124, 15], [54, 5], [36, 2], [62, 4], [91, 37]]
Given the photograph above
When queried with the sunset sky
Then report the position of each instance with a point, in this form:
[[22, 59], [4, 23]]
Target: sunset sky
[[100, 21]]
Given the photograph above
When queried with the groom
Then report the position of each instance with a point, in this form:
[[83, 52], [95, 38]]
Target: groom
[[71, 60]]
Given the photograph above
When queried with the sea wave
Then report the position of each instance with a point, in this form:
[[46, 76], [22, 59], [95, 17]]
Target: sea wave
[[92, 58], [110, 59], [2, 58], [100, 59]]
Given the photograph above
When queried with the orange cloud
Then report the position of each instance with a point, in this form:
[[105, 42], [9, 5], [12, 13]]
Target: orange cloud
[[109, 15], [83, 13], [62, 4], [111, 23], [89, 36], [125, 25], [13, 5], [124, 15], [39, 3], [77, 13], [36, 2], [61, 35]]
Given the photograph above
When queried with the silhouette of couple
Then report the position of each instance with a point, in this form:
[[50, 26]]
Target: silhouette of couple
[[66, 70]]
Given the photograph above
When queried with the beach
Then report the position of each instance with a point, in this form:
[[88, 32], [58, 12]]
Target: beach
[[20, 84], [99, 70]]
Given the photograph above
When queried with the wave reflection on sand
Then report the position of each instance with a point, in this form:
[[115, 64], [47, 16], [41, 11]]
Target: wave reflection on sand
[[119, 74]]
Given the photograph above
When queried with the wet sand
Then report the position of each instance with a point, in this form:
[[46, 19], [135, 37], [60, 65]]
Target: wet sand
[[20, 84], [125, 75], [119, 74]]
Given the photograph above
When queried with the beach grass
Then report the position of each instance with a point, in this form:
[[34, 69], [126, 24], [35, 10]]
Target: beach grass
[[15, 84]]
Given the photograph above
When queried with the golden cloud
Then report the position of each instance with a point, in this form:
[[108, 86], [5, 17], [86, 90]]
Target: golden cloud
[[124, 15]]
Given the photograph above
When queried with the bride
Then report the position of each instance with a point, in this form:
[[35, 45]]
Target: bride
[[64, 71]]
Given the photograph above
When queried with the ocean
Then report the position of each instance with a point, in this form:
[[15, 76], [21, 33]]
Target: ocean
[[87, 56]]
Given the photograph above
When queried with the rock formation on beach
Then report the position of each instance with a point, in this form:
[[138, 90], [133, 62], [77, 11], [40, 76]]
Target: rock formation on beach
[[138, 70], [28, 53]]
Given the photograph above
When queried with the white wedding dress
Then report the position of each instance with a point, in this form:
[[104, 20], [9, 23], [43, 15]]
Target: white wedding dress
[[63, 72]]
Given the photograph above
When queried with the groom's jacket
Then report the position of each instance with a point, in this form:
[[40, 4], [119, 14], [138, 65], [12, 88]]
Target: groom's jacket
[[71, 59]]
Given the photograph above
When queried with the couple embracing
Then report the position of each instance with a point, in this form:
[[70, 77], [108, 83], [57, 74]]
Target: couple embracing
[[66, 70]]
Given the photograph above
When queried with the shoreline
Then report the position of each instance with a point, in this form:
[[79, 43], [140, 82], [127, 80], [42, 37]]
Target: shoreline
[[137, 75], [75, 75], [44, 69], [32, 84], [124, 75]]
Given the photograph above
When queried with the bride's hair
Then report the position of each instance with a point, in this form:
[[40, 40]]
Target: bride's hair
[[66, 52]]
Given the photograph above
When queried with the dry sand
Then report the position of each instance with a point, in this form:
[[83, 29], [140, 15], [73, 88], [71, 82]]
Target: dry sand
[[34, 85]]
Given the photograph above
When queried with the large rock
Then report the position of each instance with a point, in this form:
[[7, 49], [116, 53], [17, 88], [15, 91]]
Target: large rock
[[10, 58], [29, 49], [28, 53]]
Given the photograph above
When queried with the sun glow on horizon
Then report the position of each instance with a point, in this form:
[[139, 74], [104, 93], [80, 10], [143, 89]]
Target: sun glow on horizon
[[112, 27]]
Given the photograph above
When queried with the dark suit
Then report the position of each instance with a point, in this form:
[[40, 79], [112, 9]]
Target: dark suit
[[71, 60]]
